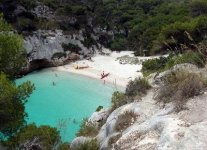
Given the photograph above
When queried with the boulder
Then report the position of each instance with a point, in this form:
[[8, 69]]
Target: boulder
[[97, 117]]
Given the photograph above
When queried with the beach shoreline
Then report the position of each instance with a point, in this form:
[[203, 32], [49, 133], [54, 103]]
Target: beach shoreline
[[119, 74]]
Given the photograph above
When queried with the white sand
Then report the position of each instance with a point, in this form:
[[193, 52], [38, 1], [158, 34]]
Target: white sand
[[120, 74]]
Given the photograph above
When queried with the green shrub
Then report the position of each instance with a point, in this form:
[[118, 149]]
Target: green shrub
[[48, 136], [88, 42], [89, 145], [188, 57], [78, 10], [154, 65], [12, 53], [118, 44], [51, 3], [99, 108], [118, 99], [29, 4], [63, 146], [4, 26], [87, 129], [139, 86], [71, 47], [162, 64], [67, 8], [47, 25], [24, 23], [13, 99], [174, 36], [125, 120], [179, 86], [199, 7], [58, 55]]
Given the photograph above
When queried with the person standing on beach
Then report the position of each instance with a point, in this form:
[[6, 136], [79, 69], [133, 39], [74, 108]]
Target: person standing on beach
[[102, 75]]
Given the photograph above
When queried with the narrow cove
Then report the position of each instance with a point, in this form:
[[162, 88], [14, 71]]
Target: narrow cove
[[63, 100]]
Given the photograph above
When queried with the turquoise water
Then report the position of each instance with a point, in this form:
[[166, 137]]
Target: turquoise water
[[67, 102]]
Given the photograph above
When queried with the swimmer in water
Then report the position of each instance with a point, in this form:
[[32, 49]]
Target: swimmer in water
[[74, 121]]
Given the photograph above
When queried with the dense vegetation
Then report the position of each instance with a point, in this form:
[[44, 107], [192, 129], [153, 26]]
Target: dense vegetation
[[47, 136], [12, 98], [165, 63], [144, 26]]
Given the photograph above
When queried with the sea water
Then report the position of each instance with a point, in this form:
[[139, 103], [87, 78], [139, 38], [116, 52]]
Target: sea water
[[63, 100]]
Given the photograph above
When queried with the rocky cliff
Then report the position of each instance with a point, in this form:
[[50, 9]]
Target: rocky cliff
[[52, 38], [155, 126]]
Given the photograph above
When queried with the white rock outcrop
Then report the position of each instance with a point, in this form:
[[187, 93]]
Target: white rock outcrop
[[42, 44], [96, 117], [159, 128]]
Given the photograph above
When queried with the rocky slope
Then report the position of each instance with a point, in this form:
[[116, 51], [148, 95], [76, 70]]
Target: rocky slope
[[156, 127], [51, 38]]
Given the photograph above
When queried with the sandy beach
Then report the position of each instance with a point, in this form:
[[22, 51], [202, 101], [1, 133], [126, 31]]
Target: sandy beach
[[120, 74]]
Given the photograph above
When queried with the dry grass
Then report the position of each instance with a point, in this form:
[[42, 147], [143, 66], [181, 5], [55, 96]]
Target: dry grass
[[125, 120], [179, 86], [139, 86], [90, 145], [114, 139], [118, 99], [87, 129]]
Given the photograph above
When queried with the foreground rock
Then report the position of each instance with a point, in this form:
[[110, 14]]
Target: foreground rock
[[156, 127]]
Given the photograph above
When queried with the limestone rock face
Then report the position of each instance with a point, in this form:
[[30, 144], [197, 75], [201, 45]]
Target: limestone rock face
[[159, 128], [43, 44], [97, 117], [42, 11]]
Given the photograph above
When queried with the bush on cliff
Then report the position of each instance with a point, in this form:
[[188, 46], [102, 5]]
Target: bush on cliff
[[87, 129], [118, 99], [154, 65], [89, 145], [139, 86], [179, 86], [165, 63], [125, 120]]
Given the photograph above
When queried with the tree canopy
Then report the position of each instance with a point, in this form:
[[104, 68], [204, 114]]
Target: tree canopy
[[136, 24], [12, 101], [44, 137], [12, 52], [13, 97]]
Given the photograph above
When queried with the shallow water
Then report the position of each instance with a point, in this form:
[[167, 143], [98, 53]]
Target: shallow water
[[62, 99]]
